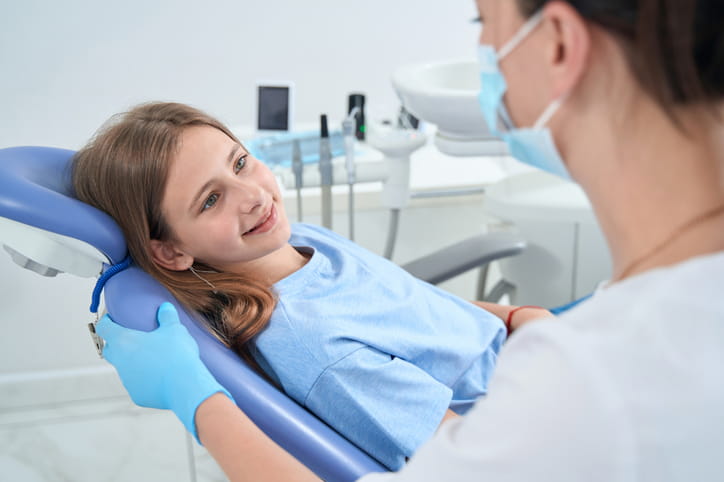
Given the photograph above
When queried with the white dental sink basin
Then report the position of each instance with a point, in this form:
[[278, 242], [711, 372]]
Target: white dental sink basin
[[445, 94]]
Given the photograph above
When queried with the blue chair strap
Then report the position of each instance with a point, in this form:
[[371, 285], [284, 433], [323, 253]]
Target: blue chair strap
[[560, 309]]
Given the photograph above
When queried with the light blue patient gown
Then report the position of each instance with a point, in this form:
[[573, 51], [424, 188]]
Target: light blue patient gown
[[374, 352]]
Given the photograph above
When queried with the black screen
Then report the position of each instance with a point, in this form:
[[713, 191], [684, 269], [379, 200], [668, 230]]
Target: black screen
[[273, 103]]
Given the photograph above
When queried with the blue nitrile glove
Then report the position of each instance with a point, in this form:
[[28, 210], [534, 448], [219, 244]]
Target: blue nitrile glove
[[160, 368]]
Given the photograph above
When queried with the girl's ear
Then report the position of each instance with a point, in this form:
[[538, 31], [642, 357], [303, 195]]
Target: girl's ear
[[167, 256]]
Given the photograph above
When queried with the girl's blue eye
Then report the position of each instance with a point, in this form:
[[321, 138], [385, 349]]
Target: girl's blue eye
[[240, 163], [210, 201]]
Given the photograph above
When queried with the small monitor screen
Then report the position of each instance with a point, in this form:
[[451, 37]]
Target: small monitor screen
[[273, 108]]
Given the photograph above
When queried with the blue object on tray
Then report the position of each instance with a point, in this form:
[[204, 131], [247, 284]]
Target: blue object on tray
[[276, 149]]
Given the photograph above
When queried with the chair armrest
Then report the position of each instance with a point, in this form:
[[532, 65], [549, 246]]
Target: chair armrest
[[465, 255]]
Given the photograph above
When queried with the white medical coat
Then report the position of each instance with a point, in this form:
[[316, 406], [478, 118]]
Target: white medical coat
[[628, 386]]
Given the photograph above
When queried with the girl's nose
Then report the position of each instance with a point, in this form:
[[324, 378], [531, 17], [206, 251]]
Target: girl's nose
[[247, 196]]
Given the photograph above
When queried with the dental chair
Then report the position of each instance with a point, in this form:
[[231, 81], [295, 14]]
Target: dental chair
[[45, 229]]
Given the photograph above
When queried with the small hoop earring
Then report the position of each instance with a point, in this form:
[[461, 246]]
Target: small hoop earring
[[213, 288]]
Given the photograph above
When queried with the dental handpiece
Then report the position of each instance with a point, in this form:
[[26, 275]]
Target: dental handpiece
[[298, 168], [325, 172], [348, 131]]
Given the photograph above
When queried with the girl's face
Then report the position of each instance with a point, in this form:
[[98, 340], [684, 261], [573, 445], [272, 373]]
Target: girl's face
[[223, 205]]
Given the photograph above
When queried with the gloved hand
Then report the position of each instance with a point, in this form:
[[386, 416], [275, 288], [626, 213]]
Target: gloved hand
[[161, 368]]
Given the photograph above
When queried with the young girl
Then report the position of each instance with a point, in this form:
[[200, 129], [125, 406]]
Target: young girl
[[377, 354]]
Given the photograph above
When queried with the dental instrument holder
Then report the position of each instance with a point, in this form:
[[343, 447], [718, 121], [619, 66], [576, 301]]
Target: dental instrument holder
[[396, 145], [325, 172]]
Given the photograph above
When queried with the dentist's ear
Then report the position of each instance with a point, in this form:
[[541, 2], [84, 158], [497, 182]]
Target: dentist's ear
[[571, 46], [167, 256]]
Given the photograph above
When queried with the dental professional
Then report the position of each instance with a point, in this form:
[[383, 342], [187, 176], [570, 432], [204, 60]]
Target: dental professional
[[625, 97]]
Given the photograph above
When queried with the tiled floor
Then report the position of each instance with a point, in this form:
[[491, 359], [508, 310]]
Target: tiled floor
[[80, 426]]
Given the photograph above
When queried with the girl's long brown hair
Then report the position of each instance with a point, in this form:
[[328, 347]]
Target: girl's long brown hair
[[123, 171]]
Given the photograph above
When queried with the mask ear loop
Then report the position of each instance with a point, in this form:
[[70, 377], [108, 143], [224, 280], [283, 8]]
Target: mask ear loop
[[521, 34], [549, 111], [504, 119]]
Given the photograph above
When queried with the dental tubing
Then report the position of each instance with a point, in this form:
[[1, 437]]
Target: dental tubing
[[101, 282], [96, 299]]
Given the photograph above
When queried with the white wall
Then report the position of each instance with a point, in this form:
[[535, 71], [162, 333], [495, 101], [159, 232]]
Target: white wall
[[67, 66]]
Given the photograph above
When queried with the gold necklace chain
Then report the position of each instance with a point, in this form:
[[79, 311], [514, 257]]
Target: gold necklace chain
[[712, 213]]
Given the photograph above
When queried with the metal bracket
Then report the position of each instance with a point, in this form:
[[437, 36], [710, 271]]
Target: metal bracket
[[97, 340], [501, 289]]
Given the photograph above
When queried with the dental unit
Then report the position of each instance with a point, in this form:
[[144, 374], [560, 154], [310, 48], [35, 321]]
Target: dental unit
[[393, 170]]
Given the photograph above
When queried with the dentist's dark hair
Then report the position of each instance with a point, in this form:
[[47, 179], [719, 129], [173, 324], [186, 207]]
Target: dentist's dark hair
[[123, 171], [675, 48]]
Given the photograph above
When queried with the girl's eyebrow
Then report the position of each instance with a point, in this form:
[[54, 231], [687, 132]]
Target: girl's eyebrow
[[232, 155], [200, 193], [234, 149]]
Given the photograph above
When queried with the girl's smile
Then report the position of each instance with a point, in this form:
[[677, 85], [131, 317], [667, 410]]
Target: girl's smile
[[268, 221]]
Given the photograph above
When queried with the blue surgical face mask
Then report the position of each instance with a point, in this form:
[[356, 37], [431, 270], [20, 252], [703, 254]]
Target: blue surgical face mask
[[533, 145]]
